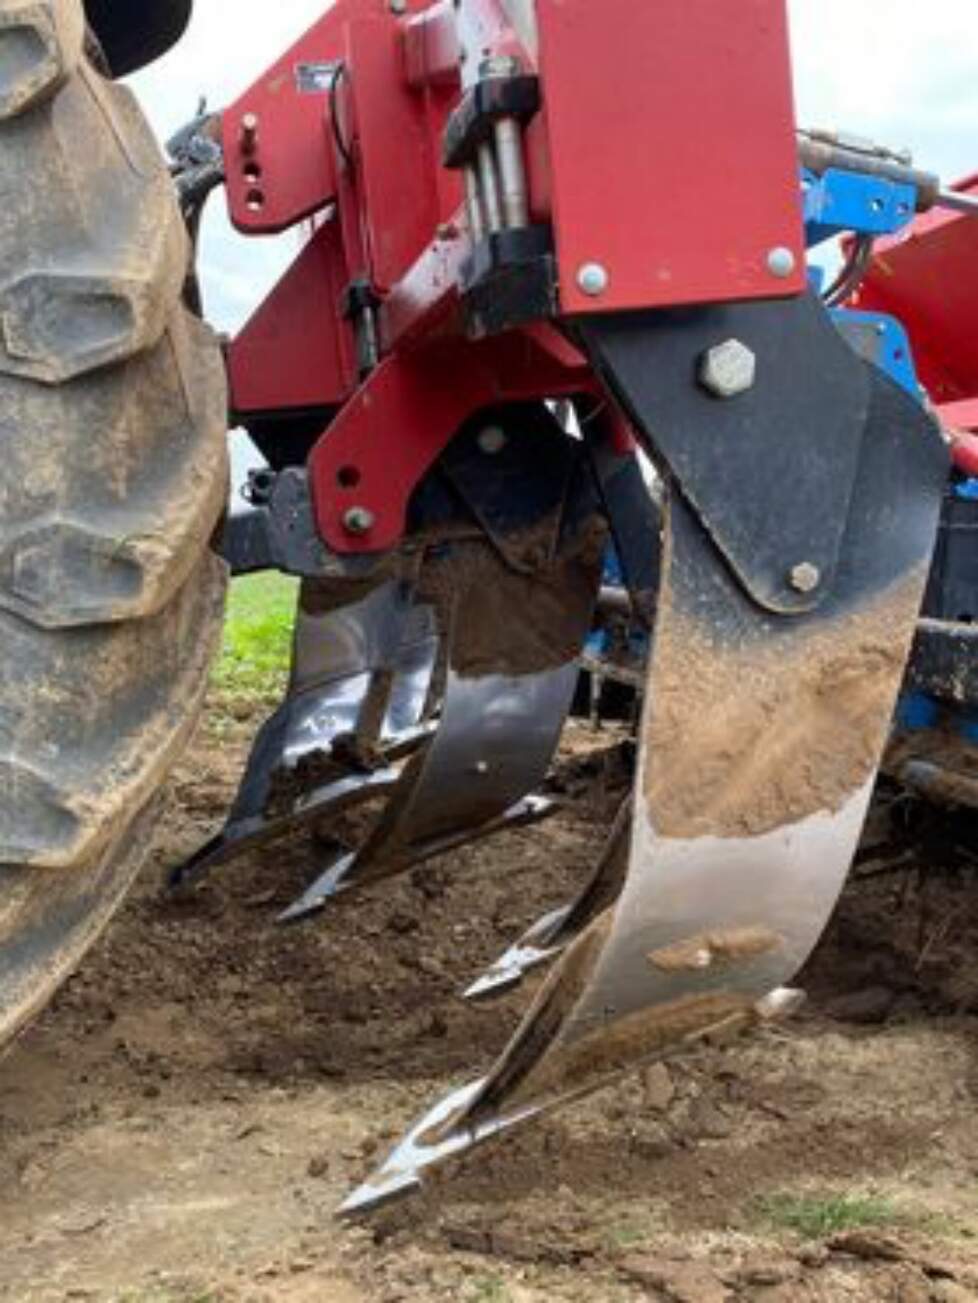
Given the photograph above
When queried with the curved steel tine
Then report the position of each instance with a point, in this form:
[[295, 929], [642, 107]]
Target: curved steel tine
[[761, 739], [494, 743], [551, 935], [356, 709], [507, 694]]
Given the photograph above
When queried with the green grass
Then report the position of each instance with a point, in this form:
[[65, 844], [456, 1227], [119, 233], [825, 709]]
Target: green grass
[[817, 1217], [257, 648], [488, 1289]]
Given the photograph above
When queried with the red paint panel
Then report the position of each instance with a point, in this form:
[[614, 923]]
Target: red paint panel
[[962, 415], [296, 351], [398, 131], [293, 150], [394, 428], [673, 156], [928, 279]]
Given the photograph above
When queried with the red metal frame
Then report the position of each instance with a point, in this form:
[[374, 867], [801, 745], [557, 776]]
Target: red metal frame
[[649, 111], [927, 277], [422, 397], [672, 150], [296, 351]]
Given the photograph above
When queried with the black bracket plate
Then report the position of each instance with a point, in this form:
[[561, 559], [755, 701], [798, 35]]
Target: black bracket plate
[[770, 472]]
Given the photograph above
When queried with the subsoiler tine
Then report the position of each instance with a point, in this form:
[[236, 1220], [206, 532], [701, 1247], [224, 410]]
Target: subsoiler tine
[[494, 743], [553, 933], [355, 712], [761, 739]]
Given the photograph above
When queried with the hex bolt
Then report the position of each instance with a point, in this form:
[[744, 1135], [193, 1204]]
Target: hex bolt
[[781, 262], [359, 520], [249, 133], [492, 440], [593, 279], [805, 577], [728, 369], [398, 6]]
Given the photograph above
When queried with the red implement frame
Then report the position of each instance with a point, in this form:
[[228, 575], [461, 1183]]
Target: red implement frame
[[927, 278], [648, 111]]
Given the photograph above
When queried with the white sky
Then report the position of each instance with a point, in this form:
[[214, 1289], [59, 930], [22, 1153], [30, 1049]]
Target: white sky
[[902, 71]]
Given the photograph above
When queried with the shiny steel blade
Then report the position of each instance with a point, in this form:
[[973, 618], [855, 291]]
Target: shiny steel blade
[[760, 743], [356, 709], [553, 933]]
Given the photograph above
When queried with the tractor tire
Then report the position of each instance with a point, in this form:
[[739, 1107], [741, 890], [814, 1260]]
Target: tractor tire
[[113, 481]]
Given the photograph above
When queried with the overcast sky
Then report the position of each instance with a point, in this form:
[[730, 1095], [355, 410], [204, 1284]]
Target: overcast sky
[[901, 71]]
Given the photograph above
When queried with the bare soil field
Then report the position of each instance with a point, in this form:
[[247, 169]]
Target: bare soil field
[[181, 1124]]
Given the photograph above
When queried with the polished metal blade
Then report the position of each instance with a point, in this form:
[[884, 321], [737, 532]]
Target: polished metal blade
[[357, 708], [553, 933], [760, 744]]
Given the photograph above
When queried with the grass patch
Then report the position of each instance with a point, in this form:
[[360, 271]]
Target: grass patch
[[488, 1289], [818, 1217], [257, 647], [627, 1237]]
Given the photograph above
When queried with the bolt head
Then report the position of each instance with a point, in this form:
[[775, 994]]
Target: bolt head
[[359, 520], [728, 369], [492, 440], [805, 577], [781, 262], [593, 279], [398, 6]]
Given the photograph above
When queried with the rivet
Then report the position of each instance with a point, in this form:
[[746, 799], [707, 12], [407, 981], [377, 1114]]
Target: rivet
[[781, 262], [492, 440], [593, 279]]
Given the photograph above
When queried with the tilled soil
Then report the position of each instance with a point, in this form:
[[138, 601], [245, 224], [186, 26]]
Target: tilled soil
[[182, 1123]]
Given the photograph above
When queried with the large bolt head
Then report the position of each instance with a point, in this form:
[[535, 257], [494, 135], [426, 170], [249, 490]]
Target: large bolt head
[[728, 369]]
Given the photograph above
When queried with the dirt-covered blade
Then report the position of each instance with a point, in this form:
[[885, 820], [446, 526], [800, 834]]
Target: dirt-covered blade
[[763, 728]]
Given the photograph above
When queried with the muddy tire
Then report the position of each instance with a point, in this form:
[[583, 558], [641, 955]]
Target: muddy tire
[[113, 478]]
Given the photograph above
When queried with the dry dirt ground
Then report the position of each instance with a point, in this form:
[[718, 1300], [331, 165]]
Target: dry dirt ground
[[183, 1121]]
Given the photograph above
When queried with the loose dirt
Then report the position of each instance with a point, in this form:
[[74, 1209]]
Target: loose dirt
[[803, 731], [181, 1124]]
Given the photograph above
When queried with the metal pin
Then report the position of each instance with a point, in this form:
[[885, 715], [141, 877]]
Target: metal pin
[[249, 133], [489, 185], [958, 202], [512, 174], [473, 202]]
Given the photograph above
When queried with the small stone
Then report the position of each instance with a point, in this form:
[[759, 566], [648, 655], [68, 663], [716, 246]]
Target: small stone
[[689, 1282], [318, 1167], [868, 1245], [657, 1088], [765, 1271], [707, 1122]]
